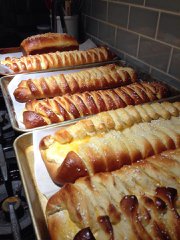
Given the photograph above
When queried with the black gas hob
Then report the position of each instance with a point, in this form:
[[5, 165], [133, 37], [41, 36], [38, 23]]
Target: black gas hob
[[15, 220]]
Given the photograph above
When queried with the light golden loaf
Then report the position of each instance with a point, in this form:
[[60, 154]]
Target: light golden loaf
[[104, 77], [141, 201], [57, 59], [108, 151], [118, 119], [58, 109], [48, 42]]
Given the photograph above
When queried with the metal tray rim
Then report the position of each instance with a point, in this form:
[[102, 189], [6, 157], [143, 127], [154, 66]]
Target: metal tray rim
[[23, 161], [9, 104], [20, 163], [12, 114]]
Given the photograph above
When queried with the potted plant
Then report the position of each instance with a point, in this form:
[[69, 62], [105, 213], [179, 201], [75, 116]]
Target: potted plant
[[71, 16], [65, 15]]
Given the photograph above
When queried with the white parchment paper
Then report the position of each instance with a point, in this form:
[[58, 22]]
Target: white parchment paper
[[3, 69], [16, 54], [44, 182]]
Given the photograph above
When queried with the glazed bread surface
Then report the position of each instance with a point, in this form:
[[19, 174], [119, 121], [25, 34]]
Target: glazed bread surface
[[118, 119], [141, 201], [57, 59], [48, 42], [108, 151], [58, 109], [104, 77]]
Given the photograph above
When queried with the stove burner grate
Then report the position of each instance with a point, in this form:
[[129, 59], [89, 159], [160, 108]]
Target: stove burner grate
[[24, 219], [10, 182]]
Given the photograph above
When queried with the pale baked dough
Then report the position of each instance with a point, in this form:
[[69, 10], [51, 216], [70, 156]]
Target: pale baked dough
[[104, 77], [140, 201], [108, 150], [57, 59]]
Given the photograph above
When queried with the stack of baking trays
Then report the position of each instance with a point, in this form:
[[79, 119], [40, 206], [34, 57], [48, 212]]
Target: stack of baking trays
[[100, 158]]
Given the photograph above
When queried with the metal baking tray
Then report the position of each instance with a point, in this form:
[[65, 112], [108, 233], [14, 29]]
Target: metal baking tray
[[23, 146], [4, 81], [37, 202], [63, 68]]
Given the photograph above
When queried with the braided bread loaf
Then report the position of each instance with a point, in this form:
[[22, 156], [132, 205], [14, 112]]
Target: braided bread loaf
[[108, 151], [141, 201], [58, 59], [103, 77], [118, 119], [58, 109]]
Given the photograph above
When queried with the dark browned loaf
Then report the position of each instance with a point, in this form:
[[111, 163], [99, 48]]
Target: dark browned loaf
[[72, 106]]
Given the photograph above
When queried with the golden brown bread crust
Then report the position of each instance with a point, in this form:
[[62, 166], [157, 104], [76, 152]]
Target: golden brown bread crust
[[141, 201], [48, 42], [67, 107], [58, 59], [108, 151], [118, 119], [104, 77]]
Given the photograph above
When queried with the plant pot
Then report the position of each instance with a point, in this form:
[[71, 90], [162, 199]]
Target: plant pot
[[71, 23]]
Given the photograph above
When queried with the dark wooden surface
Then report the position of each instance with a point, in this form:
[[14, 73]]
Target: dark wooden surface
[[10, 50]]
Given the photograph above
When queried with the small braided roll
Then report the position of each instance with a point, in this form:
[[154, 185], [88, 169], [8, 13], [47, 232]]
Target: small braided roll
[[58, 59], [58, 109], [104, 77]]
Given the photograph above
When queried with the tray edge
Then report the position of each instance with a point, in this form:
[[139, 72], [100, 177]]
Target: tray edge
[[20, 162]]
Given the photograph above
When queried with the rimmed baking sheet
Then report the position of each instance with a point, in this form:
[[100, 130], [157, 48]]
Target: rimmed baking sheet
[[36, 180], [44, 181], [31, 166], [23, 146], [15, 109]]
